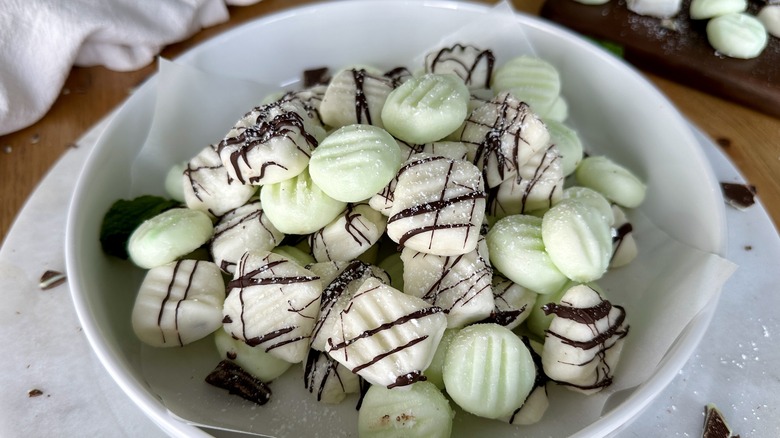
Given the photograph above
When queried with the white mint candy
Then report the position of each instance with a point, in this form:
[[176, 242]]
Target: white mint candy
[[253, 360], [385, 336], [355, 96], [504, 134], [460, 285], [456, 150], [537, 186], [530, 79], [244, 229], [704, 9], [615, 182], [340, 282], [737, 35], [438, 206], [538, 322], [355, 162], [770, 17], [207, 186], [584, 340], [179, 303], [517, 251], [578, 240], [473, 65], [168, 236], [426, 108], [270, 144], [351, 234], [328, 380], [298, 206], [655, 8], [272, 304]]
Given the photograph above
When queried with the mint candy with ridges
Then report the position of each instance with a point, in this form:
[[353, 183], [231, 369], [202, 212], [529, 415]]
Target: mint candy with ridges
[[298, 206], [569, 145], [530, 79], [592, 198], [419, 411], [578, 239], [583, 343], [460, 285], [502, 135], [438, 206], [386, 336], [207, 186], [488, 371], [272, 304], [517, 251], [355, 96], [355, 162], [271, 143], [178, 303], [612, 180], [244, 229], [168, 236], [426, 108]]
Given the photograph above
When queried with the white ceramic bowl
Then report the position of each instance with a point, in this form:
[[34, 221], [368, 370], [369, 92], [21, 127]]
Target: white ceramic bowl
[[616, 111]]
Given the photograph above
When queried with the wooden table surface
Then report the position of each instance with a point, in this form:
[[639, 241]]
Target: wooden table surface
[[751, 139]]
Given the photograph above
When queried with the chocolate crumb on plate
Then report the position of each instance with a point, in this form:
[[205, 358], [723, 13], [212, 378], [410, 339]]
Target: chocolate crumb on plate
[[35, 392], [51, 279], [740, 196], [228, 375], [715, 425]]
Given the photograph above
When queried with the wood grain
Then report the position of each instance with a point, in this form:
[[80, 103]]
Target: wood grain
[[91, 93]]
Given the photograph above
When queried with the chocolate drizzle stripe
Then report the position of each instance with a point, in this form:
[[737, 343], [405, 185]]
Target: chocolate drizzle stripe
[[385, 326], [390, 352]]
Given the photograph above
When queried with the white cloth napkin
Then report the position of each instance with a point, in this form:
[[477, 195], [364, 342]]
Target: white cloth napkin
[[42, 39]]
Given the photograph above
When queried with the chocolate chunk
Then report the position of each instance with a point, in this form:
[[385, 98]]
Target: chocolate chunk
[[51, 279], [740, 196], [227, 375], [315, 76], [683, 55], [35, 392], [715, 425]]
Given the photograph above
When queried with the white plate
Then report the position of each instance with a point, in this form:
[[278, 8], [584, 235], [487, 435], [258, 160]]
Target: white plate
[[616, 111]]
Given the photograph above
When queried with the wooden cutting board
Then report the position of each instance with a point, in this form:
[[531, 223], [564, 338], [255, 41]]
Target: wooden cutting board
[[678, 49]]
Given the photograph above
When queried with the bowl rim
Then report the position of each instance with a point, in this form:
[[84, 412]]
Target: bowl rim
[[609, 423]]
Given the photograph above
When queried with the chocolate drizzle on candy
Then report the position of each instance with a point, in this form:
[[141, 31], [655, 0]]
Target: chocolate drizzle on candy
[[473, 65], [504, 134], [274, 121], [451, 201], [598, 354], [386, 336], [272, 303]]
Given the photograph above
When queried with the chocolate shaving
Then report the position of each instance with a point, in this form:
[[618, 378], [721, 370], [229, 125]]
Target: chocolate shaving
[[739, 196], [315, 76], [715, 425], [51, 279], [35, 392], [228, 375]]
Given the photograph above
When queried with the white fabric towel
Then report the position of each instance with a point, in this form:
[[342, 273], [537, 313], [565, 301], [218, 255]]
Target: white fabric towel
[[40, 40]]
